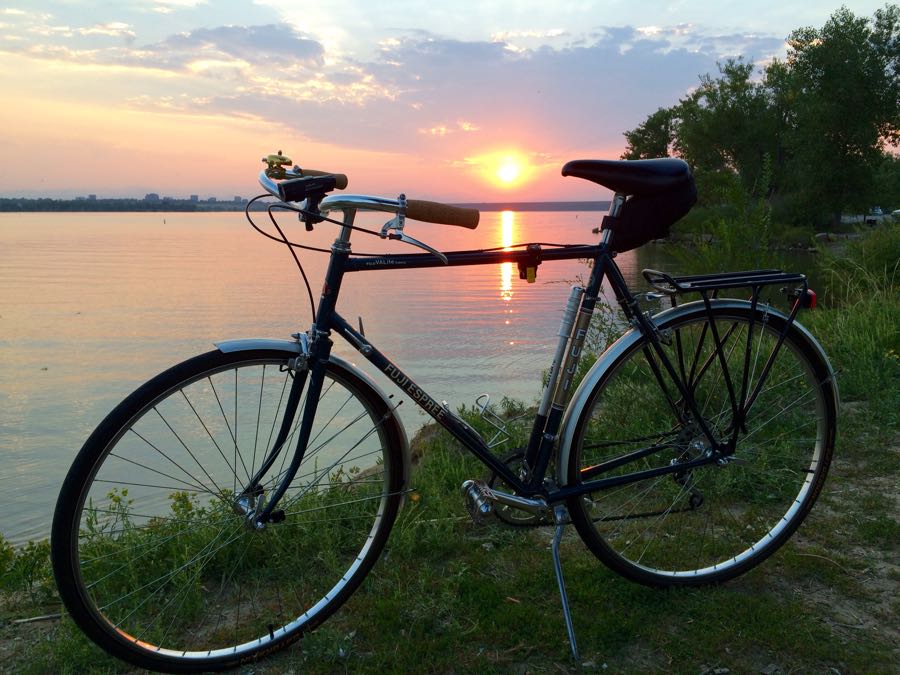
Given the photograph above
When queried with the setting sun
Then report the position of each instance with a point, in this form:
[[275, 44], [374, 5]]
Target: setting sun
[[504, 168], [508, 171]]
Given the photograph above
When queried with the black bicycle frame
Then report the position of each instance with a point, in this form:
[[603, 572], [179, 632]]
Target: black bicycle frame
[[544, 434], [532, 256]]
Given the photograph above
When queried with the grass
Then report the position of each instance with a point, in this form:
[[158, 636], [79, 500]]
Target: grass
[[448, 596]]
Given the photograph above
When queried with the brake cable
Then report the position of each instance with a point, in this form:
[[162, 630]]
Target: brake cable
[[292, 245]]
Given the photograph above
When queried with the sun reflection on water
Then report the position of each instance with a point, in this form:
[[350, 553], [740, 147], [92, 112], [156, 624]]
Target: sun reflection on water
[[507, 224]]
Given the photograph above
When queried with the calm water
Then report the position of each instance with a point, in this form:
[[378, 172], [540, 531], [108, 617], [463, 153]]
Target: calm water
[[92, 305]]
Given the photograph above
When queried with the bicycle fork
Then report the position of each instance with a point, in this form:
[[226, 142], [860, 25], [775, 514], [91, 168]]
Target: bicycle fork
[[309, 367]]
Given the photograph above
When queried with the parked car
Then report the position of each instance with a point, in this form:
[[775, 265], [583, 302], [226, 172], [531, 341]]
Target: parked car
[[874, 216]]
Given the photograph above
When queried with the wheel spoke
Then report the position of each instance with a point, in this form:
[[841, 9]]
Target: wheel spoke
[[170, 562], [718, 519]]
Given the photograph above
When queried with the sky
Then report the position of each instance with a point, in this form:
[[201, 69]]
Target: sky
[[461, 101]]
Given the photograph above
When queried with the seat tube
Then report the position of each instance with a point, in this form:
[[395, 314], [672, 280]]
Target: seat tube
[[553, 402], [583, 321], [569, 367], [564, 334]]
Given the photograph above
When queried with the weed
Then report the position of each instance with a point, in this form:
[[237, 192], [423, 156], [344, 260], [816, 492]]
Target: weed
[[447, 596], [28, 570]]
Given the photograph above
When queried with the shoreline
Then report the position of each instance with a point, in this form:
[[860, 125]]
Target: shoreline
[[48, 205]]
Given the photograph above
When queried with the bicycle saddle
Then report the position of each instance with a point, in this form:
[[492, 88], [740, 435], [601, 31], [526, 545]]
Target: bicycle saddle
[[631, 177]]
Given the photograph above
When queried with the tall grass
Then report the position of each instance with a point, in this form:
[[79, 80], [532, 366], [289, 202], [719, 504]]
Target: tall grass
[[860, 324], [448, 596]]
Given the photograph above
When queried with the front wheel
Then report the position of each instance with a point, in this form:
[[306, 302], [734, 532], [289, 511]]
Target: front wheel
[[712, 522], [155, 559]]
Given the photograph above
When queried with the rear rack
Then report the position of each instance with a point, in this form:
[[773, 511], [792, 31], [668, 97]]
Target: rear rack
[[698, 283]]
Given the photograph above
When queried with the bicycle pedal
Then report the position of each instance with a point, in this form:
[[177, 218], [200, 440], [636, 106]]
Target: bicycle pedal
[[478, 499]]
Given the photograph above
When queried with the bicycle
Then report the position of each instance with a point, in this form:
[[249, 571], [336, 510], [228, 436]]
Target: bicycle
[[235, 501]]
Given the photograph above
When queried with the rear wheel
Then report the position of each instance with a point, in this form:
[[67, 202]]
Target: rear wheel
[[156, 562], [710, 523]]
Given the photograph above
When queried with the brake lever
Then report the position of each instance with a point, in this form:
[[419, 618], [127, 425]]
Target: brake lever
[[406, 239], [397, 222]]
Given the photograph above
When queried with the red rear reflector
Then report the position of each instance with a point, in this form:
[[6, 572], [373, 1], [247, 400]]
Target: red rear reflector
[[810, 299]]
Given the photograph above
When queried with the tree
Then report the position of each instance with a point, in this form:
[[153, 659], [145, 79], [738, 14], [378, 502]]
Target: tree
[[845, 108], [811, 133], [651, 139], [727, 127], [887, 183]]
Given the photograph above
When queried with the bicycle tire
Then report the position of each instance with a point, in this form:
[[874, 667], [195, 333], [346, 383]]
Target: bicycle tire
[[151, 558], [715, 522]]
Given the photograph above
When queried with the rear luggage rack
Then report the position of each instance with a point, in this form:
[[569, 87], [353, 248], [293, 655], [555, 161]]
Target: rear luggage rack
[[698, 283]]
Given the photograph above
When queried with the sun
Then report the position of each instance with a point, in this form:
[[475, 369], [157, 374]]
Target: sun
[[505, 168], [509, 170]]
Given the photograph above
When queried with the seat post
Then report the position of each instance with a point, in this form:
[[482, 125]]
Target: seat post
[[617, 203], [614, 210]]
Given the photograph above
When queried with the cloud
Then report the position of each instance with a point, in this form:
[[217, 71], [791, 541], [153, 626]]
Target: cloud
[[112, 29], [275, 45], [170, 6], [573, 97], [460, 126], [426, 88], [507, 35], [418, 91], [738, 44]]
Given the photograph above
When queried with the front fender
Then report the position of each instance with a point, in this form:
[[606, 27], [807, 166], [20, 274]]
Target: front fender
[[250, 344], [624, 343]]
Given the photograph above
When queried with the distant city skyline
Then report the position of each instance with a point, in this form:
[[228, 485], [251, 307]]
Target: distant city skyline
[[472, 101], [150, 196]]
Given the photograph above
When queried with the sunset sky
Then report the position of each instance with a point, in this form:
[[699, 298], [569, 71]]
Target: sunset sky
[[462, 101]]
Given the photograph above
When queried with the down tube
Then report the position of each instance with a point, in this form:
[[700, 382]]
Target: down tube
[[460, 430]]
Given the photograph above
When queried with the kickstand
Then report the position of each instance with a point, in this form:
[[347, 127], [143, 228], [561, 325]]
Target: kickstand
[[561, 516]]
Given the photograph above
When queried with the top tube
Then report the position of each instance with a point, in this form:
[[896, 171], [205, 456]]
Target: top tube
[[529, 257]]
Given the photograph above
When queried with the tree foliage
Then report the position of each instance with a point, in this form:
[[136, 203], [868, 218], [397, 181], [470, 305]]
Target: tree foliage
[[819, 121], [651, 139]]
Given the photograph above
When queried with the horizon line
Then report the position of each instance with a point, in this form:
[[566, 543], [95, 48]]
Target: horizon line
[[565, 205]]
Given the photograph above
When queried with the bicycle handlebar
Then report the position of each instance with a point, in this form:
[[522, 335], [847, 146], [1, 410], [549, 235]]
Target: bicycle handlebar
[[416, 209], [435, 212], [340, 178]]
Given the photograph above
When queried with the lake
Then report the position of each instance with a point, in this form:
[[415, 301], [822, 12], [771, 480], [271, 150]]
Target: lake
[[92, 305]]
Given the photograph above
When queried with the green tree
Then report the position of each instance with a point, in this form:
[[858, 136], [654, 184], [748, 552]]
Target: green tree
[[845, 108], [809, 136], [729, 126], [887, 183], [651, 139], [726, 128]]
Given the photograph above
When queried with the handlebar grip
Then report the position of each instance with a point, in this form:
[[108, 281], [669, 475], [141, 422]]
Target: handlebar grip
[[340, 178], [435, 212]]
